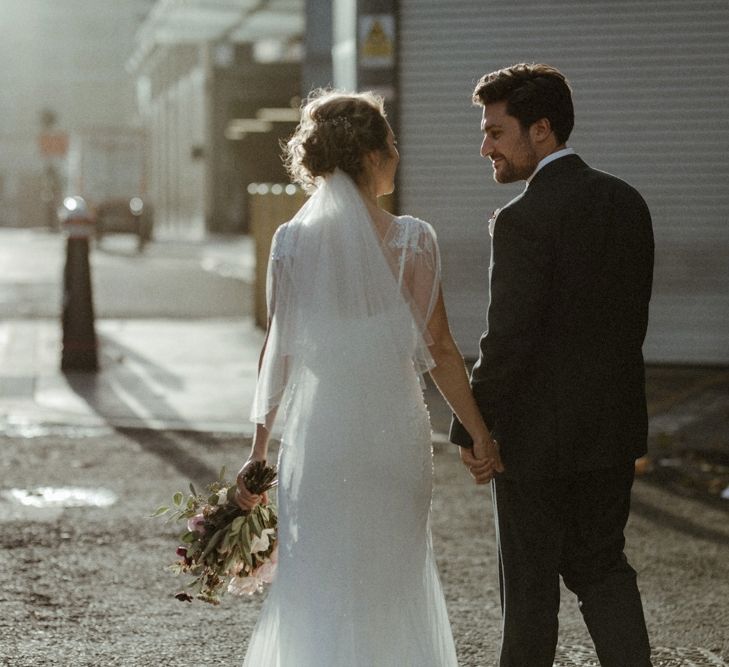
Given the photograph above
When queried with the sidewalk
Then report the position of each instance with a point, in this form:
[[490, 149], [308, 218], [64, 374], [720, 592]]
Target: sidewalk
[[162, 374], [171, 371]]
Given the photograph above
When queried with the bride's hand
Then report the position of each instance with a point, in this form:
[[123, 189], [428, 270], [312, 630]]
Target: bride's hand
[[489, 449], [243, 497], [483, 460]]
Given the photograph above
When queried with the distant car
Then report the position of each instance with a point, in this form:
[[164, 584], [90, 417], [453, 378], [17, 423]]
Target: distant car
[[125, 216]]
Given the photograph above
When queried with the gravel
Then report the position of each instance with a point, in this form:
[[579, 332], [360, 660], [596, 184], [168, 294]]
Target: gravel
[[88, 586]]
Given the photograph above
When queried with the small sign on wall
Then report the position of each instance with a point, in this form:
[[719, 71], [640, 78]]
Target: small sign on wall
[[376, 40], [53, 144]]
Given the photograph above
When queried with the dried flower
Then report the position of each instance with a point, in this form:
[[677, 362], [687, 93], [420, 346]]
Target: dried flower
[[267, 571]]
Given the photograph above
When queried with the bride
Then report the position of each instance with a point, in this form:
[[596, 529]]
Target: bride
[[355, 317]]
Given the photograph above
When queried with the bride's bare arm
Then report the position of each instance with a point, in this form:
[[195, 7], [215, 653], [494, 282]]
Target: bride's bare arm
[[451, 378], [259, 451]]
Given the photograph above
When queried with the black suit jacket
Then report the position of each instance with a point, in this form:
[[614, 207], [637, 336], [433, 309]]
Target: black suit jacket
[[560, 379]]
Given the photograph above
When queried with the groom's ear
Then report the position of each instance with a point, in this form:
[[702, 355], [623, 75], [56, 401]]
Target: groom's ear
[[540, 130]]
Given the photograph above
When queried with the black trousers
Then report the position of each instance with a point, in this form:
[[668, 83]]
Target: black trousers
[[574, 528]]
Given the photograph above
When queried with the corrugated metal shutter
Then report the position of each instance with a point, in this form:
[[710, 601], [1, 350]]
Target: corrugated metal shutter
[[651, 91]]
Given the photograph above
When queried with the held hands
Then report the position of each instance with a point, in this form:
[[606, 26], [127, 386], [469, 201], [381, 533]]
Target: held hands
[[483, 460]]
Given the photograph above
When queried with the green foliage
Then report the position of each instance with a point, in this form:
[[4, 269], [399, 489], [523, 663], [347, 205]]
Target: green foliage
[[219, 546]]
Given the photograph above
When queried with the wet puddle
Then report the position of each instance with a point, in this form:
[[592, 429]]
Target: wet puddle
[[46, 497]]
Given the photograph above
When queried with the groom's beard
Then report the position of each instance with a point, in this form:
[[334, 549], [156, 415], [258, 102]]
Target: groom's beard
[[519, 166]]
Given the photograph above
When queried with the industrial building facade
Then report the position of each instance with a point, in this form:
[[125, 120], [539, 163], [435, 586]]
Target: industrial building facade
[[650, 82], [213, 85], [650, 88]]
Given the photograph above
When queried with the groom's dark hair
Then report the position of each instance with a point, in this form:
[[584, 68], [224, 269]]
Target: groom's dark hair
[[531, 91]]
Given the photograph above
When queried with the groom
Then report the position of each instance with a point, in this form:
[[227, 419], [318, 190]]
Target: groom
[[560, 377]]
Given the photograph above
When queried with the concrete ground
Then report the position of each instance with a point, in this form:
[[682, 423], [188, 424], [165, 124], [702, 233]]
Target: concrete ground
[[88, 586]]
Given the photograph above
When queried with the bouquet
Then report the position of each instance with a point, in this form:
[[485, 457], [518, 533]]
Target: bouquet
[[224, 544]]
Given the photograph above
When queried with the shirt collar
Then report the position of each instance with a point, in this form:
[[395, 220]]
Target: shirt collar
[[550, 158]]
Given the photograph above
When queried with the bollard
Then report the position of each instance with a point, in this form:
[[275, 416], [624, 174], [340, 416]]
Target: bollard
[[79, 334]]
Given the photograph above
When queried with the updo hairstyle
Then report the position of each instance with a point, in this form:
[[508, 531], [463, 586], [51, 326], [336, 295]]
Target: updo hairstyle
[[337, 129]]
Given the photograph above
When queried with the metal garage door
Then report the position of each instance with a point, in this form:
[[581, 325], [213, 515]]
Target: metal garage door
[[651, 90]]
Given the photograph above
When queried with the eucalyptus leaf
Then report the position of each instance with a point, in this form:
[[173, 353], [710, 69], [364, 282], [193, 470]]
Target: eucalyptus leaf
[[188, 537], [214, 540], [244, 539], [177, 499], [227, 540], [247, 557], [230, 561], [160, 511], [237, 524]]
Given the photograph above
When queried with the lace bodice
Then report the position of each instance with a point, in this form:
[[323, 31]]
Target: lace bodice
[[331, 269], [417, 268], [418, 234]]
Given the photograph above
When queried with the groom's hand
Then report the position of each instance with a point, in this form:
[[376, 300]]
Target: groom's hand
[[483, 460]]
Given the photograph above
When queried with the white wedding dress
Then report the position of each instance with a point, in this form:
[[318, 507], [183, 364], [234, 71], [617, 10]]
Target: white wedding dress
[[357, 583]]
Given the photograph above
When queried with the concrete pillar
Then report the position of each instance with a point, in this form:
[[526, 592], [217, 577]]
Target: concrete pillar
[[317, 65]]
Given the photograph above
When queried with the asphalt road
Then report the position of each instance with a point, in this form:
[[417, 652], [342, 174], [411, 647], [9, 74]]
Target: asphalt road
[[168, 280]]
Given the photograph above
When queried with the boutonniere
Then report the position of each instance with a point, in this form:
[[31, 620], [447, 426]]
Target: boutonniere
[[492, 220]]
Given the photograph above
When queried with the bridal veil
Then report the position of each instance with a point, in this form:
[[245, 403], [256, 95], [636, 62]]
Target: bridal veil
[[331, 271]]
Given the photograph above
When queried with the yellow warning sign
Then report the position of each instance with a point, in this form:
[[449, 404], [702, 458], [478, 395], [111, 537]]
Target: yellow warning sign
[[377, 44], [377, 40]]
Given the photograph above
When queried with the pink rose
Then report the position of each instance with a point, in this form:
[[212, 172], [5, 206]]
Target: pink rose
[[266, 572], [244, 585], [196, 524]]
